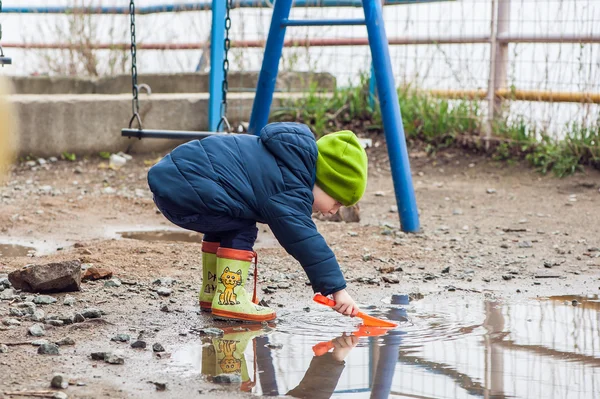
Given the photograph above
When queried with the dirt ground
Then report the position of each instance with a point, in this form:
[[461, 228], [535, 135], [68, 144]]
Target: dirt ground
[[487, 230]]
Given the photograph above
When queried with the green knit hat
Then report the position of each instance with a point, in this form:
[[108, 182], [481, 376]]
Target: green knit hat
[[342, 167]]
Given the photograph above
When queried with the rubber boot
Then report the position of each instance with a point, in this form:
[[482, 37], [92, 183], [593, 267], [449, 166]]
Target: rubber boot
[[231, 301], [209, 275], [230, 350]]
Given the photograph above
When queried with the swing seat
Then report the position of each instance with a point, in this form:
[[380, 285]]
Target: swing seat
[[5, 61], [168, 134]]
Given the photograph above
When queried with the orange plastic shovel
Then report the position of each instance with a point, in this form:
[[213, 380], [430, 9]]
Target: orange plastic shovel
[[363, 331], [369, 321]]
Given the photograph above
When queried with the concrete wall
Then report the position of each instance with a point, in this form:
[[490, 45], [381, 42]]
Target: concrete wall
[[163, 83], [88, 124]]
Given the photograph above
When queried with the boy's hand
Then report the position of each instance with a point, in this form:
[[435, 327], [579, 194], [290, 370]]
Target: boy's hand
[[342, 346], [344, 303]]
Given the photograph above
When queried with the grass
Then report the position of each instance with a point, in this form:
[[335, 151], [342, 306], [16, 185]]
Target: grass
[[440, 123]]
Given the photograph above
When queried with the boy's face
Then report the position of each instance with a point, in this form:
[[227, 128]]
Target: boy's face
[[324, 203]]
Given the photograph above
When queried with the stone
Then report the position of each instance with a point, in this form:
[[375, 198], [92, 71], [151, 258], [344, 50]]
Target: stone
[[94, 273], [51, 277], [227, 379], [7, 294], [160, 386], [164, 281], [163, 291], [55, 323], [38, 315], [14, 312], [59, 381], [525, 244], [121, 338], [3, 348], [446, 270], [91, 313], [40, 342], [37, 330], [44, 300], [268, 290], [111, 358], [164, 308], [98, 355], [69, 300], [491, 191], [112, 283], [11, 322], [507, 277], [67, 318], [139, 344], [67, 341], [48, 349], [28, 307], [390, 279], [4, 282], [158, 347], [283, 285], [59, 395]]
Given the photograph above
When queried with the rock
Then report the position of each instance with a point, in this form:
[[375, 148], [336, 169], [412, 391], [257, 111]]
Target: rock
[[446, 270], [99, 355], [44, 300], [121, 338], [78, 318], [37, 330], [55, 323], [59, 395], [163, 291], [117, 161], [11, 322], [457, 212], [451, 288], [211, 331], [111, 358], [139, 344], [160, 386], [227, 379], [67, 341], [48, 349], [268, 290], [14, 312], [165, 308], [108, 190], [283, 285], [491, 191], [4, 282], [3, 348], [28, 307], [51, 277], [91, 313], [113, 283], [525, 244], [379, 194], [69, 300], [164, 281], [394, 209], [59, 381], [574, 302], [158, 347], [507, 277], [67, 319], [94, 273], [7, 294], [40, 342], [390, 279]]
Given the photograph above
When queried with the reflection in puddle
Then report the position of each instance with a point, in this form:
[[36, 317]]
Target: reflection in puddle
[[543, 348], [163, 235], [9, 250]]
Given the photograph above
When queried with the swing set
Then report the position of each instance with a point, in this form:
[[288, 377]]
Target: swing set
[[3, 59], [280, 21]]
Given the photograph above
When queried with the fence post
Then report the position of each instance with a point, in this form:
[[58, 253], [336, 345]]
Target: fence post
[[500, 23]]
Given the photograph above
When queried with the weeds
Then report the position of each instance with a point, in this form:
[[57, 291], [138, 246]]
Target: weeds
[[441, 123]]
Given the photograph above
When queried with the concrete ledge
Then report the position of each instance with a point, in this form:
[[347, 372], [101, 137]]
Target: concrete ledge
[[88, 124], [165, 83]]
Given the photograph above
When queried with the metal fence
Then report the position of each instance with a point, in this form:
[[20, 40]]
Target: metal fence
[[535, 58]]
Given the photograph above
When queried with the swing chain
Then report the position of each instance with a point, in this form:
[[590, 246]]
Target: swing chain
[[225, 85], [135, 103], [1, 51]]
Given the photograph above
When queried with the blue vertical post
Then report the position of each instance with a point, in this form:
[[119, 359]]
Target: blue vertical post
[[270, 66], [217, 54], [372, 87], [392, 118]]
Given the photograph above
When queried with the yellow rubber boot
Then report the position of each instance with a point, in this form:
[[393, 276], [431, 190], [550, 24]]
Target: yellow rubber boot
[[232, 301], [230, 348], [209, 275]]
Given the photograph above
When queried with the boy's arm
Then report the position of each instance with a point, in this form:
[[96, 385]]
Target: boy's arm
[[289, 217]]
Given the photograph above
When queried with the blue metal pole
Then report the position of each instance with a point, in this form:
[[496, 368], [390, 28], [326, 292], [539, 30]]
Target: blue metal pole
[[372, 87], [270, 65], [217, 54], [392, 118]]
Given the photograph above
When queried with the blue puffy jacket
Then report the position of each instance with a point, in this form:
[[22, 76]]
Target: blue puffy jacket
[[268, 179]]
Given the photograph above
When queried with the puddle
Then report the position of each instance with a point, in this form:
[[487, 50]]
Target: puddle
[[264, 240], [10, 250], [538, 348]]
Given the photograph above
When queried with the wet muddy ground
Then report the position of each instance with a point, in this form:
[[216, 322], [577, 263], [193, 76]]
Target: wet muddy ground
[[497, 297]]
